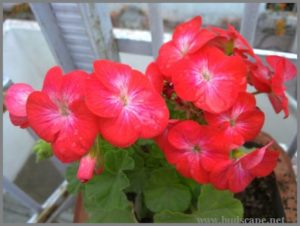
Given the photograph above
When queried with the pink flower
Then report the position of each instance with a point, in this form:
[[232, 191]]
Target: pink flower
[[237, 173], [242, 122], [127, 104], [15, 102], [86, 168], [59, 115], [210, 79]]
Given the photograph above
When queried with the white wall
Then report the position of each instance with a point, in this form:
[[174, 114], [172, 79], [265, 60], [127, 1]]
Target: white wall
[[26, 58]]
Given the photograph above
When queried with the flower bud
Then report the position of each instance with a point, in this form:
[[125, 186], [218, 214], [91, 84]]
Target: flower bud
[[86, 168]]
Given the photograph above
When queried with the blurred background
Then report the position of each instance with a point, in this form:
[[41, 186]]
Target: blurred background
[[39, 36]]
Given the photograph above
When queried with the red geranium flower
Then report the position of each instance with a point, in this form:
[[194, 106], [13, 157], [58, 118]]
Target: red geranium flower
[[210, 79], [188, 37], [271, 80], [15, 101], [242, 122], [127, 103], [289, 71], [237, 173], [59, 115], [193, 149], [155, 76], [231, 42]]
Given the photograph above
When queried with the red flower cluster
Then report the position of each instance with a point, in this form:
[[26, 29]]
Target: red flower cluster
[[211, 67], [206, 72]]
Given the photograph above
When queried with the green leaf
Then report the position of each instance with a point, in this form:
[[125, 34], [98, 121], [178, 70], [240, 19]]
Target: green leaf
[[137, 176], [217, 204], [163, 190], [43, 150], [118, 160], [155, 151], [213, 206], [174, 217], [74, 185], [194, 188], [113, 216], [106, 190]]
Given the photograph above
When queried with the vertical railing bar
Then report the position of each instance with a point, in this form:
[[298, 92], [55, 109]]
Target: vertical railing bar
[[249, 21], [21, 196], [156, 27], [99, 29], [292, 149], [47, 21]]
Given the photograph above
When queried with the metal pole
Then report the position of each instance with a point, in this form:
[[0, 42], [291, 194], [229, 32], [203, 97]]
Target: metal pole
[[249, 21], [156, 27], [21, 196]]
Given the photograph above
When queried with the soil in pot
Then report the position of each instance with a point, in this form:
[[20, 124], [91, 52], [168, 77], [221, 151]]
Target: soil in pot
[[261, 200]]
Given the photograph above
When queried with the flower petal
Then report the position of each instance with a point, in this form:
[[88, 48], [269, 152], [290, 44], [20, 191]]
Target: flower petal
[[53, 82], [77, 134], [73, 85], [100, 100], [168, 55], [120, 131], [238, 178], [16, 97], [114, 76], [155, 76], [19, 121], [290, 70], [43, 116]]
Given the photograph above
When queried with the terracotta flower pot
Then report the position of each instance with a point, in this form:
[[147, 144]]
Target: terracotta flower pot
[[284, 179]]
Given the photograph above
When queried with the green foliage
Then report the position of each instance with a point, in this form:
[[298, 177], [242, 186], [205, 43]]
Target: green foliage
[[42, 150], [137, 183], [163, 191], [174, 217], [106, 189], [222, 205], [113, 216], [175, 111], [213, 206]]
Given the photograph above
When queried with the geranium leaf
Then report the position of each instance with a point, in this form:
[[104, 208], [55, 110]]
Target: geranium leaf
[[217, 204], [213, 206], [163, 189], [174, 217], [113, 216], [118, 160], [137, 176], [106, 191]]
